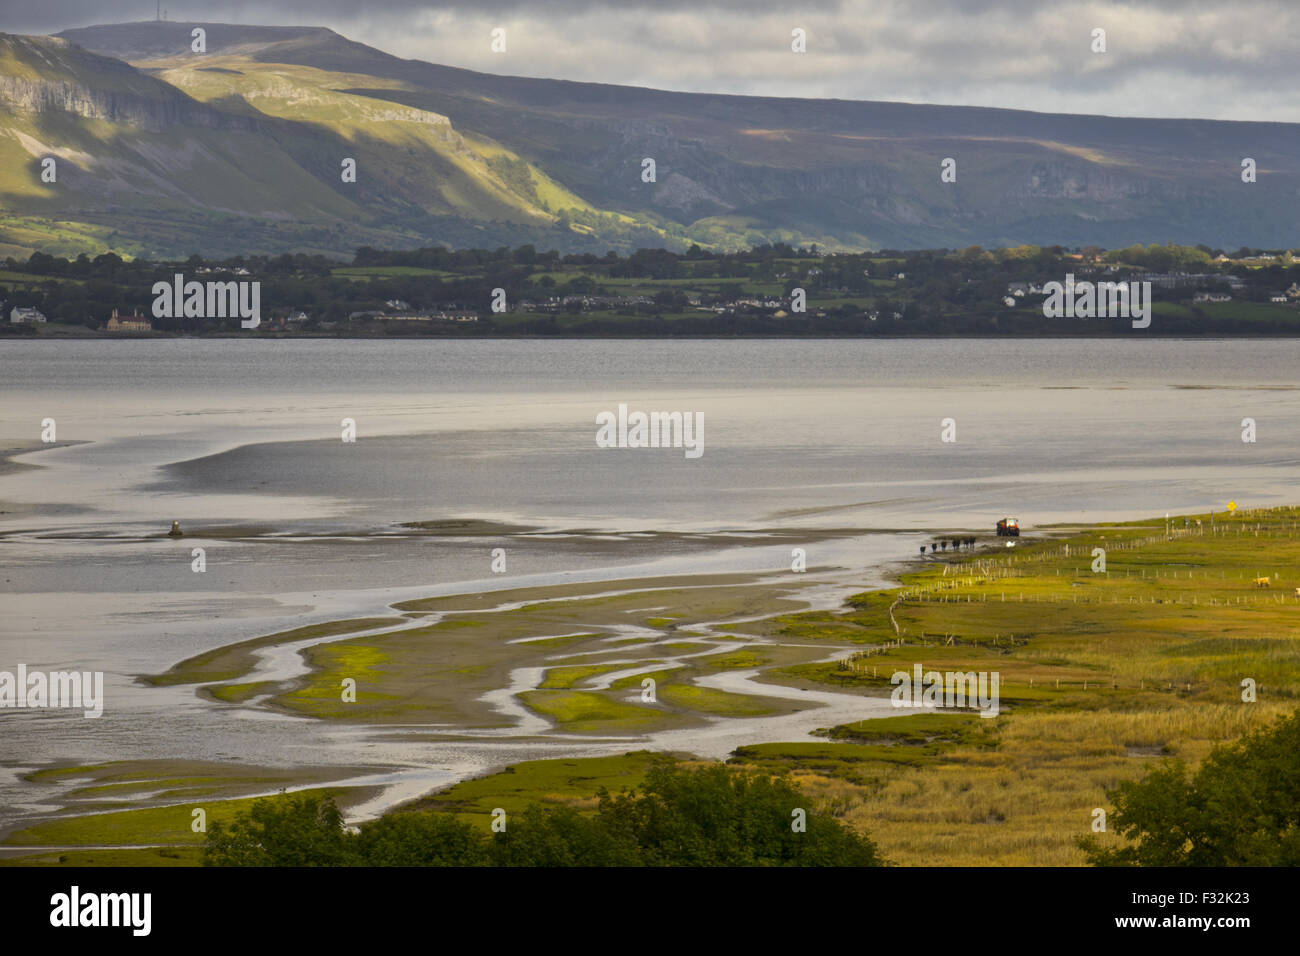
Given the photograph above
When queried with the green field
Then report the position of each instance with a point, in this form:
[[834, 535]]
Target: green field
[[1102, 674]]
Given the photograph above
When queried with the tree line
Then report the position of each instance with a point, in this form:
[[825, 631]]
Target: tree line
[[1240, 807], [711, 816]]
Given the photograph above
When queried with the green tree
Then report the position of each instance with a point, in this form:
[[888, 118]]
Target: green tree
[[715, 816], [422, 839], [1240, 808], [295, 831], [561, 837]]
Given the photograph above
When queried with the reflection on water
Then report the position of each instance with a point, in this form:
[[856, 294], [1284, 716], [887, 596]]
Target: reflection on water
[[240, 441]]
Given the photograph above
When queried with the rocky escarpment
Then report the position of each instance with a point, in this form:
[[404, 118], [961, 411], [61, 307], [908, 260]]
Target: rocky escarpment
[[151, 113], [46, 74]]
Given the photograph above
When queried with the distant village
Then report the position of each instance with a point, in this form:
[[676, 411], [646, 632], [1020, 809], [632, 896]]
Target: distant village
[[399, 311], [283, 321], [1289, 295], [771, 290]]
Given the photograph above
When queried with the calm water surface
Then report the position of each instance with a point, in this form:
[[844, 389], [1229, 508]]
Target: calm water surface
[[243, 437]]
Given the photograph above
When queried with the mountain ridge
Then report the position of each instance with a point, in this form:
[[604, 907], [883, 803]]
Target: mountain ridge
[[558, 162]]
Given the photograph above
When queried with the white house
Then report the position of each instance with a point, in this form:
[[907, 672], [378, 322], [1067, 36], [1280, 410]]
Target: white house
[[29, 316]]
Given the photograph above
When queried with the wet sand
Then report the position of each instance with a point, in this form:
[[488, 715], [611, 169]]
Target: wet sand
[[466, 447], [463, 669]]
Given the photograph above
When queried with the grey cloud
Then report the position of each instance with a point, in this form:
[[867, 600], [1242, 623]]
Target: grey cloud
[[1166, 57]]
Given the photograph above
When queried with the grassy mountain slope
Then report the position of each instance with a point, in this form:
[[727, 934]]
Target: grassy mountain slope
[[864, 171], [222, 154], [399, 149], [241, 146], [141, 165]]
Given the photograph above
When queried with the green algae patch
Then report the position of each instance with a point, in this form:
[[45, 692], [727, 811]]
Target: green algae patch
[[136, 784], [439, 673], [339, 670], [165, 825], [685, 647], [433, 674], [562, 678], [592, 712], [235, 660], [660, 677], [239, 693], [735, 660], [719, 703], [562, 782]]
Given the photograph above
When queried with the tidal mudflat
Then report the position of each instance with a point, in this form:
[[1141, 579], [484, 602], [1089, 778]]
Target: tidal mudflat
[[674, 664], [1101, 674], [372, 562]]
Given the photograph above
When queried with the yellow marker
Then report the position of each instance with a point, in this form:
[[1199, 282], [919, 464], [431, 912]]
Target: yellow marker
[[1232, 506]]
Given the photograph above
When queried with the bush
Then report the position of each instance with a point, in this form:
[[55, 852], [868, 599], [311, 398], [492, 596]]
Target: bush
[[1240, 808], [292, 831], [708, 817]]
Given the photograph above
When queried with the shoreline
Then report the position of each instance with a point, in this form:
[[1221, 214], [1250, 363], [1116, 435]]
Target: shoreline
[[1124, 332], [1123, 697], [12, 448], [410, 782], [823, 589]]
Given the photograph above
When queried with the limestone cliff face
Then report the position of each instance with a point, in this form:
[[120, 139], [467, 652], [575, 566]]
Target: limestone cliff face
[[151, 113], [47, 74]]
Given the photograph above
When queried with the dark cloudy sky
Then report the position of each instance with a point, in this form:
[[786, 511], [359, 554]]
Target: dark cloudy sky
[[1229, 59]]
